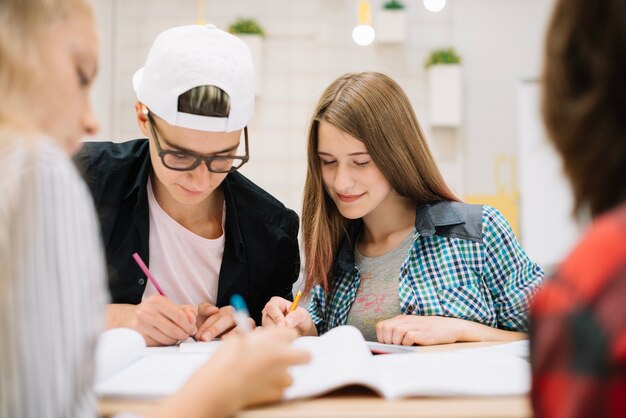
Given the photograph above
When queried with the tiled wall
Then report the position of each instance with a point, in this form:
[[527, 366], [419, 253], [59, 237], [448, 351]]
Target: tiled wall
[[309, 43]]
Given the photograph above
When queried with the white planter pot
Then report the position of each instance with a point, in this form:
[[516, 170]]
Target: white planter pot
[[255, 43], [445, 95], [391, 26]]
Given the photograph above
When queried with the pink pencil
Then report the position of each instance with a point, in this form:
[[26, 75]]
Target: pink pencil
[[144, 268]]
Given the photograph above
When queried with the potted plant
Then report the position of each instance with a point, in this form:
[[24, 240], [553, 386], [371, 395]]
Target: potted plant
[[252, 33], [246, 26], [442, 56], [393, 5], [445, 93], [391, 22]]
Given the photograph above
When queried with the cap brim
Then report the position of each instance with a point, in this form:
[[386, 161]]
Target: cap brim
[[137, 77]]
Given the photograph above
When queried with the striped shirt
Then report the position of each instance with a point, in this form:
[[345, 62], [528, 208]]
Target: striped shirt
[[465, 262], [52, 282]]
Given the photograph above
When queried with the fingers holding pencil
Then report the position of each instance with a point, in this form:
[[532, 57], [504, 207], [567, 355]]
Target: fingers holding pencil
[[278, 308], [295, 302], [275, 311], [160, 321], [280, 312]]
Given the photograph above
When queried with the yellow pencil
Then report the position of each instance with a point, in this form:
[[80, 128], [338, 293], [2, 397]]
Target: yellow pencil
[[294, 304]]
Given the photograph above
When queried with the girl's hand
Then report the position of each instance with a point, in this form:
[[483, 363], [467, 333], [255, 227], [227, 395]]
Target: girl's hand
[[431, 330], [276, 314], [420, 330]]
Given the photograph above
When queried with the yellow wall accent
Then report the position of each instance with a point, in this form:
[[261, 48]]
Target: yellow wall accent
[[201, 20], [506, 199]]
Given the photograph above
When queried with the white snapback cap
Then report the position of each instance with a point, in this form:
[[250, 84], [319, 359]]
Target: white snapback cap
[[185, 57]]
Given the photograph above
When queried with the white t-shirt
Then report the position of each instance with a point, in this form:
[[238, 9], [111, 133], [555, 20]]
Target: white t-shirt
[[186, 265]]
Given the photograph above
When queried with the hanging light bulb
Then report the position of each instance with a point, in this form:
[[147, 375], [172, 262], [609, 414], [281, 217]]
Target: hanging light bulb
[[363, 33], [434, 5]]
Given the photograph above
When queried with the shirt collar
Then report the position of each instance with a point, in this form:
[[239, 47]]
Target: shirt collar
[[428, 216]]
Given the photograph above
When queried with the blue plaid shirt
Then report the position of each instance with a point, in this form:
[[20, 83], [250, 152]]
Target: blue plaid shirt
[[465, 262]]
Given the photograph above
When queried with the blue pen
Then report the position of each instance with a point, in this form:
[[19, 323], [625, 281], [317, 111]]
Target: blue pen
[[241, 313]]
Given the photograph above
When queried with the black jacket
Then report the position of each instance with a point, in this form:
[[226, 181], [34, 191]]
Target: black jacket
[[261, 256]]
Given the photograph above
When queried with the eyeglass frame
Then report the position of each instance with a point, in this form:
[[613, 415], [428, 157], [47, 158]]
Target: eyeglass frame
[[199, 158]]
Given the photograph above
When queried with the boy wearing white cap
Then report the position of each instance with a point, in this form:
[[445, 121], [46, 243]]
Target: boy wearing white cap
[[177, 199]]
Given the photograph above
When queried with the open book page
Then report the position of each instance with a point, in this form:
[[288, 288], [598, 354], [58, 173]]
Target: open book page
[[116, 349], [453, 373], [156, 374], [341, 358], [381, 348], [517, 348], [338, 358], [200, 346], [125, 367]]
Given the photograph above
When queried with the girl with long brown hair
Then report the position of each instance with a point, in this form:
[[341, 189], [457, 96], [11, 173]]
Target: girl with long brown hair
[[388, 247]]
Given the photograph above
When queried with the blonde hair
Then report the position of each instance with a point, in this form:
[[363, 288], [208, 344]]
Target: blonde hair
[[372, 108], [23, 24]]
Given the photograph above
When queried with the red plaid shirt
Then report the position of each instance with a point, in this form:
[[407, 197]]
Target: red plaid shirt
[[578, 328]]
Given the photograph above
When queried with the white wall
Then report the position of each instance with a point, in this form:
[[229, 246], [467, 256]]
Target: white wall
[[101, 97], [548, 229], [502, 44], [309, 43]]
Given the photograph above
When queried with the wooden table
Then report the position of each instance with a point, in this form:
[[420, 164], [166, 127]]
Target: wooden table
[[359, 403]]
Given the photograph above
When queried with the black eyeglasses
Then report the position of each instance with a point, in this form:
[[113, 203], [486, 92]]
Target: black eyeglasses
[[187, 161]]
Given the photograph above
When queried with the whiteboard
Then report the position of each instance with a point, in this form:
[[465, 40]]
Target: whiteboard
[[547, 230]]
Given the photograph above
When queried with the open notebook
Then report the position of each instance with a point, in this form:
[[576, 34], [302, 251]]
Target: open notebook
[[341, 357], [126, 368]]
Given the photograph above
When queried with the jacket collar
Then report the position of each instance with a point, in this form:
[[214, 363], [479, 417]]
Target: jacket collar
[[233, 230], [140, 185], [428, 217], [139, 191]]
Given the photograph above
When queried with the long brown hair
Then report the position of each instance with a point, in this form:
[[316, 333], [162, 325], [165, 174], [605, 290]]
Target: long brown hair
[[372, 108], [584, 98]]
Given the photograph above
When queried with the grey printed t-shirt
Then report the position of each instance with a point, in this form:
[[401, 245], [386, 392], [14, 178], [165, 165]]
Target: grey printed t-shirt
[[377, 296]]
